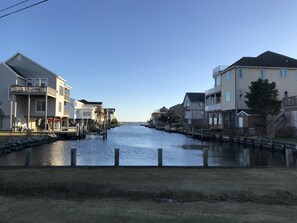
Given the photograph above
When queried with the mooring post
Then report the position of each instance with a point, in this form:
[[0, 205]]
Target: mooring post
[[246, 157], [73, 157], [205, 157], [160, 157], [28, 158], [289, 158], [116, 157]]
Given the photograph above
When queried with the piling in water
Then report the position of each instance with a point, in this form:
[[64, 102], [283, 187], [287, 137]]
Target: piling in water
[[205, 157], [116, 157], [160, 157], [289, 158], [28, 159], [73, 157], [246, 157]]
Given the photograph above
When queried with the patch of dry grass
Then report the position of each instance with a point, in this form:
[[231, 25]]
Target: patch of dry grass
[[148, 195]]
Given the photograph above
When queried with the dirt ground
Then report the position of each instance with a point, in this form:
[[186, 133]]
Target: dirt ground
[[148, 195]]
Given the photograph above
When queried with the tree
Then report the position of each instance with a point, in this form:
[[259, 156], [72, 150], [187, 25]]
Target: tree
[[263, 98]]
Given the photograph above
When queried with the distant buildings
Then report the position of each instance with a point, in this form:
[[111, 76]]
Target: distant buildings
[[194, 110]]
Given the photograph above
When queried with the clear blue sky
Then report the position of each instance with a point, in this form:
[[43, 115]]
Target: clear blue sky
[[138, 55]]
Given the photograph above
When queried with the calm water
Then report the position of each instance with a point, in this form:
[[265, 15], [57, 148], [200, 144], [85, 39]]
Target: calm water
[[138, 146]]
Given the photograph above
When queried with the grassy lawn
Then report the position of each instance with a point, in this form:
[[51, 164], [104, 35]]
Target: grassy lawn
[[148, 195]]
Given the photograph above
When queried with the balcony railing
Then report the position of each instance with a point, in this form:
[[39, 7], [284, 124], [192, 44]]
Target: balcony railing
[[66, 112], [33, 90], [215, 107], [66, 97], [290, 102], [218, 69], [213, 90]]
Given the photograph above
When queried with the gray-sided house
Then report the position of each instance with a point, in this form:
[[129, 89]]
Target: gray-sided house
[[32, 96]]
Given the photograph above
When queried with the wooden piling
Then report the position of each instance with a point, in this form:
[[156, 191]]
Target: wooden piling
[[116, 157], [289, 158], [230, 140], [160, 157], [73, 157], [244, 141], [205, 157], [28, 158], [246, 157]]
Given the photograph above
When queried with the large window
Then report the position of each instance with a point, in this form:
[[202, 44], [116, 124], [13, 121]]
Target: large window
[[40, 106], [228, 76], [283, 73], [60, 106], [262, 74], [61, 90], [218, 81], [240, 73], [228, 96]]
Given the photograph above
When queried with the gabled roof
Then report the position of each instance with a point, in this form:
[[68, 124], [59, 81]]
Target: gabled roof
[[266, 59], [195, 97], [90, 102], [7, 63]]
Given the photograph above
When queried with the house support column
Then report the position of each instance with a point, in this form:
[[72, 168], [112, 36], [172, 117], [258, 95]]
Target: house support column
[[15, 113], [45, 121], [67, 123], [29, 105], [10, 121]]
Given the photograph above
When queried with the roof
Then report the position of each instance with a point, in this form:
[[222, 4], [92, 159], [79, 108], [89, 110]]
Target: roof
[[14, 70], [248, 113], [193, 97], [18, 53], [90, 102], [266, 59]]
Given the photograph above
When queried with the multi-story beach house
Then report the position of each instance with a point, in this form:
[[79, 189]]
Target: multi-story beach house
[[194, 110], [225, 102], [32, 96]]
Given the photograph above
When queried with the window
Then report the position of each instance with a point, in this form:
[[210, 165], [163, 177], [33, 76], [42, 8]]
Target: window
[[240, 72], [30, 82], [283, 73], [202, 113], [200, 104], [218, 81], [228, 96], [40, 106], [228, 76], [60, 106], [262, 74], [43, 81], [61, 90], [86, 113]]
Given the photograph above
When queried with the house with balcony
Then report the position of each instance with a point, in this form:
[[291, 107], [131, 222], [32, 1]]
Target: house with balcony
[[86, 112], [32, 96], [226, 99], [194, 110]]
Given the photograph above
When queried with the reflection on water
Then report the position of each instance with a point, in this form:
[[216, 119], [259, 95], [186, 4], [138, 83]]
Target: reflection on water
[[138, 146]]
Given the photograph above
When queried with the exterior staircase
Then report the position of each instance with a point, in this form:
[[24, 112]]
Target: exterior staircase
[[278, 123]]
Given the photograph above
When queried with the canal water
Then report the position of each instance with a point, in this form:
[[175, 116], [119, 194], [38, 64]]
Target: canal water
[[139, 146]]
